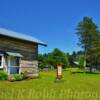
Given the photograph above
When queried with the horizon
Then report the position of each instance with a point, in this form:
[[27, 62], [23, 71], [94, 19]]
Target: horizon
[[53, 22]]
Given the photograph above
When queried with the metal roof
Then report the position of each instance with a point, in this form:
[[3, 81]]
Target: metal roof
[[12, 34]]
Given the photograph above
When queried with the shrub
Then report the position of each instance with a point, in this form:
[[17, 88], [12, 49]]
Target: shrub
[[3, 75], [72, 69], [18, 77]]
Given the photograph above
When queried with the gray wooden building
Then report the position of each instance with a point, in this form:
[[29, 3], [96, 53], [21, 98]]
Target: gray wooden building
[[18, 52]]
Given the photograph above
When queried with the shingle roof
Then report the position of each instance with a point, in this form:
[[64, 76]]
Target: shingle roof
[[12, 34]]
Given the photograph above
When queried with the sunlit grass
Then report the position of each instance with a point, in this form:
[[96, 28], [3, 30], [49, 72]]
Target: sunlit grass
[[79, 86]]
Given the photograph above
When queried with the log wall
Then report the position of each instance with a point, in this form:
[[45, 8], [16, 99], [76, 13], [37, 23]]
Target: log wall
[[29, 51]]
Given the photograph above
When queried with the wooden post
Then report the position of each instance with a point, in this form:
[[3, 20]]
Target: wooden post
[[8, 58], [59, 72]]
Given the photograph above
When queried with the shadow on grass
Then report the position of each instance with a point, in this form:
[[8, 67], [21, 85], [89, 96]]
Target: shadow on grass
[[85, 72], [92, 72], [59, 81]]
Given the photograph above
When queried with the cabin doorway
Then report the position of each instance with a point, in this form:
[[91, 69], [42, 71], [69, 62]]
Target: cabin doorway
[[13, 64]]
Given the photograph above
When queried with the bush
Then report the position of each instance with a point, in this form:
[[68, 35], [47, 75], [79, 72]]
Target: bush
[[74, 70], [3, 75], [18, 77]]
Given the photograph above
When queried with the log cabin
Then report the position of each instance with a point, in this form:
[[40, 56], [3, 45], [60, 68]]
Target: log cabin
[[18, 52]]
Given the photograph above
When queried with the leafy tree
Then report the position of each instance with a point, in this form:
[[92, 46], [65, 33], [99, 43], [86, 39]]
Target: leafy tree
[[53, 58], [42, 61], [58, 57]]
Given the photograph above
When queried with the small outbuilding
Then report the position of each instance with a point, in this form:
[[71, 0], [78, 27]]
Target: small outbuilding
[[18, 52]]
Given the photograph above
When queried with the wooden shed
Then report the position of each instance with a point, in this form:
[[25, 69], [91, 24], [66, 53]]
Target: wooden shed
[[18, 52]]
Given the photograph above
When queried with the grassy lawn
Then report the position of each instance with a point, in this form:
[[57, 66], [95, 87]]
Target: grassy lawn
[[78, 86]]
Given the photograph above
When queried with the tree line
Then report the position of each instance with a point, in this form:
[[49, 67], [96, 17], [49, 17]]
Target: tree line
[[89, 40], [52, 59], [48, 60]]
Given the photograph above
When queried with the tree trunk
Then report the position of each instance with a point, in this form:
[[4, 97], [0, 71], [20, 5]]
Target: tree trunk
[[90, 69]]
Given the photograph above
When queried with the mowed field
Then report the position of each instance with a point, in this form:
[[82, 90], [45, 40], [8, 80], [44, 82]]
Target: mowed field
[[79, 86]]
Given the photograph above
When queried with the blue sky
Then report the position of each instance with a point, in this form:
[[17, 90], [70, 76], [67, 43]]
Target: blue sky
[[52, 21]]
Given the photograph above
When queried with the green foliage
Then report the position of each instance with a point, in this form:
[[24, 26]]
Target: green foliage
[[58, 57], [15, 77], [18, 77], [89, 40], [76, 59], [81, 60], [3, 75], [72, 69], [94, 52], [53, 58], [87, 31], [42, 60]]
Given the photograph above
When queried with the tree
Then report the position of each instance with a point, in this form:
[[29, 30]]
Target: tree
[[53, 58], [42, 61], [58, 57], [81, 62], [87, 31], [94, 52]]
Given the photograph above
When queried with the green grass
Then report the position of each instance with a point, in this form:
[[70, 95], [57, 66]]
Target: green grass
[[79, 86]]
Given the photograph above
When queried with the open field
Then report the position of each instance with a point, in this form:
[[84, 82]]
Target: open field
[[78, 86]]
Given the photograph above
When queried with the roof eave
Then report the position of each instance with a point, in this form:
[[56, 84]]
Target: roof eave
[[45, 45]]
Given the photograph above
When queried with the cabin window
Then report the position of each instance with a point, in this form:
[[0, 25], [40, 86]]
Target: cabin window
[[14, 61], [14, 65], [17, 61]]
